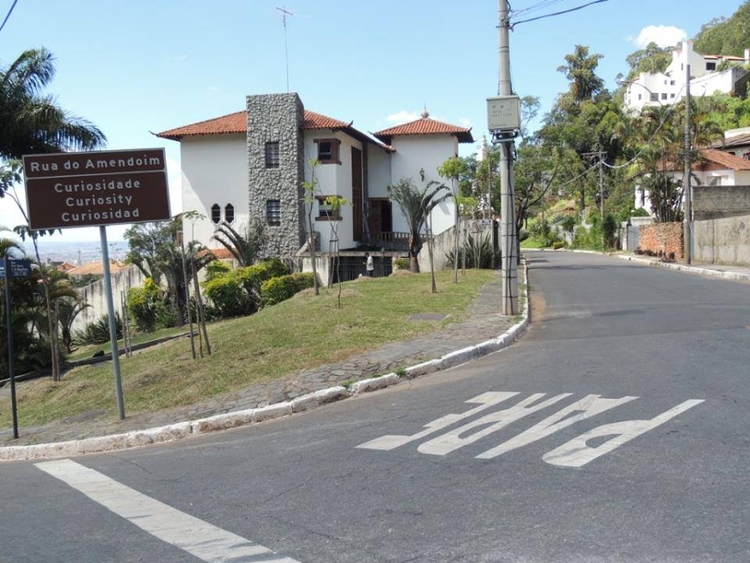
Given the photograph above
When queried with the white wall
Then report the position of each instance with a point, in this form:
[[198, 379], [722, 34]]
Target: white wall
[[725, 177], [94, 295], [333, 179], [379, 172], [214, 170], [414, 153]]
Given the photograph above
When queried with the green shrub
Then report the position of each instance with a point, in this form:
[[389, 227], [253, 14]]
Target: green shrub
[[558, 244], [237, 292], [478, 253], [146, 305], [228, 296], [98, 331], [609, 227], [401, 264], [568, 223], [216, 268], [282, 288]]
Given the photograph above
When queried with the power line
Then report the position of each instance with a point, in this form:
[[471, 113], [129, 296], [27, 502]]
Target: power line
[[9, 13], [560, 12]]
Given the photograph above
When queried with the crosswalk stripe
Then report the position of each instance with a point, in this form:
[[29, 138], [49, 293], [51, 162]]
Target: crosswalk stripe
[[199, 538]]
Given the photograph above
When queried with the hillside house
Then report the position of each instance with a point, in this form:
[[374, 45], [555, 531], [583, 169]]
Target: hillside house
[[707, 76], [252, 164], [713, 167]]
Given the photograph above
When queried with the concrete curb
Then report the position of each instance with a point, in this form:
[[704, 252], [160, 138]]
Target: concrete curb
[[180, 430], [737, 276]]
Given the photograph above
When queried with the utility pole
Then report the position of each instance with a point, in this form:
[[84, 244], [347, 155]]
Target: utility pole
[[687, 220], [600, 156], [508, 246]]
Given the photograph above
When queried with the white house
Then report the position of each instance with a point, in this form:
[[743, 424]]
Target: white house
[[252, 164], [653, 89], [713, 167]]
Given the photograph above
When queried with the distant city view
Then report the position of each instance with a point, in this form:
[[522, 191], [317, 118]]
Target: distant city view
[[76, 252]]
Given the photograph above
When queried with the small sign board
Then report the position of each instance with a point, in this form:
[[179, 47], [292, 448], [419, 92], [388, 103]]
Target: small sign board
[[96, 188], [18, 268], [504, 113]]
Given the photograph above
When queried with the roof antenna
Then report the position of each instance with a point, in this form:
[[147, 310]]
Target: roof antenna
[[284, 13]]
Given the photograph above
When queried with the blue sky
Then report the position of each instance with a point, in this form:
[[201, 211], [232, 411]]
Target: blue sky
[[137, 66]]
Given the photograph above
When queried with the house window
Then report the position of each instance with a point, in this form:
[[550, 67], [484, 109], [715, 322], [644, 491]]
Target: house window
[[216, 213], [229, 213], [711, 66], [671, 82], [273, 211], [328, 151], [326, 212], [639, 96], [664, 96], [671, 95], [272, 154], [654, 97]]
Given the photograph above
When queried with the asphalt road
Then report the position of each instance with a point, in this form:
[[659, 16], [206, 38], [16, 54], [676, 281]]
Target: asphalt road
[[615, 431]]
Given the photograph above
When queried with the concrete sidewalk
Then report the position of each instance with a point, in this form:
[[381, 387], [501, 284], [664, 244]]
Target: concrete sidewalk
[[484, 331], [737, 273]]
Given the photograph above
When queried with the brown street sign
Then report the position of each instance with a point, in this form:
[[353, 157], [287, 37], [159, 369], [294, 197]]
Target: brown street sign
[[96, 188]]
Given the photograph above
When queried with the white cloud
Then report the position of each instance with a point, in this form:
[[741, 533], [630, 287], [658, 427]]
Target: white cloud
[[662, 35], [403, 117]]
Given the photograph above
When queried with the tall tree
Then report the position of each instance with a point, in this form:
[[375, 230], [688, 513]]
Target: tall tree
[[580, 70], [722, 36], [32, 123]]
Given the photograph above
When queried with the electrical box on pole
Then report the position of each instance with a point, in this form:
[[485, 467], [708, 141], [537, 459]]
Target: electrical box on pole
[[504, 114]]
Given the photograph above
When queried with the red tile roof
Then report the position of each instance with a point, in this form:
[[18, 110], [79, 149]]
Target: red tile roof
[[318, 121], [425, 126], [720, 159], [729, 161], [222, 253], [97, 268], [231, 123], [237, 123]]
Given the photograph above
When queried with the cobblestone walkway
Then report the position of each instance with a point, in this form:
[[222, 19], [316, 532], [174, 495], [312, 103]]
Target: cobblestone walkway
[[484, 322]]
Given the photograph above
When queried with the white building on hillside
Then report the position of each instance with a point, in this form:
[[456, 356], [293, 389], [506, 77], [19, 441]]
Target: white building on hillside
[[253, 164], [705, 79]]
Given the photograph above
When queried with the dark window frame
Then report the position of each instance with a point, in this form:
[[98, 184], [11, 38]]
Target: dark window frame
[[273, 212], [229, 213], [328, 150], [272, 154], [216, 213]]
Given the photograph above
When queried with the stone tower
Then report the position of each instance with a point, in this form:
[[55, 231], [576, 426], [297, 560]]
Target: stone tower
[[275, 157]]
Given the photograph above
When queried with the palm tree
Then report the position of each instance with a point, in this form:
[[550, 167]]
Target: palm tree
[[416, 205], [30, 121], [244, 245]]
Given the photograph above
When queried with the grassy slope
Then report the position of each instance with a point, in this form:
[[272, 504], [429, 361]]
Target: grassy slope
[[304, 332]]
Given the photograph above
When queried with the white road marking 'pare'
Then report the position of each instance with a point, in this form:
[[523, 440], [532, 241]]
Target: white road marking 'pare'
[[575, 453]]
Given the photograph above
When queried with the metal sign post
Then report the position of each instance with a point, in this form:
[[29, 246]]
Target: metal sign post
[[12, 269], [87, 189]]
